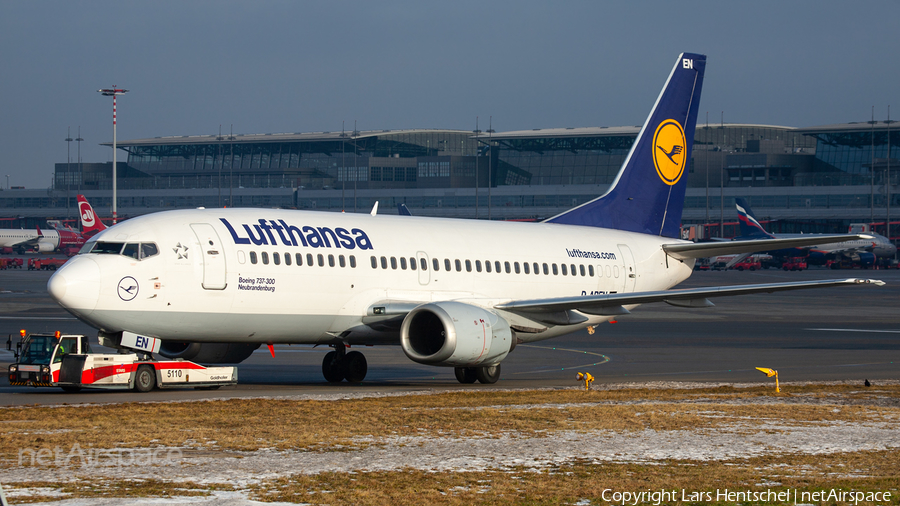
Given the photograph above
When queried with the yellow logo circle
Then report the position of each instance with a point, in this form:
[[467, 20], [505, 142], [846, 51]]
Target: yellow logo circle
[[669, 151]]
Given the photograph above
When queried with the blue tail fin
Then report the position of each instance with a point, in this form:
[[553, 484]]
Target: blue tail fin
[[647, 196], [750, 227]]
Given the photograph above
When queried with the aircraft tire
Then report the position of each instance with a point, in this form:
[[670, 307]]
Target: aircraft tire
[[488, 374], [465, 375], [145, 379], [333, 367], [355, 367]]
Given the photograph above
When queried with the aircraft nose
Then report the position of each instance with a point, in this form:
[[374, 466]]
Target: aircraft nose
[[76, 285]]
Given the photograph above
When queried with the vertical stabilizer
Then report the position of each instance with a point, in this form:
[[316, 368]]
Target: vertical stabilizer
[[750, 227], [647, 195], [90, 223]]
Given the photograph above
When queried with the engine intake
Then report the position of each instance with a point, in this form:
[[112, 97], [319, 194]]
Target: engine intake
[[455, 334]]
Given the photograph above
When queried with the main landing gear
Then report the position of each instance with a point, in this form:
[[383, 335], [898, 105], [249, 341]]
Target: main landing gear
[[488, 374], [339, 365]]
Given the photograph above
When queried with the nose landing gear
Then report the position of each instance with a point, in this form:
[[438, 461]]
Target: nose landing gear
[[339, 365]]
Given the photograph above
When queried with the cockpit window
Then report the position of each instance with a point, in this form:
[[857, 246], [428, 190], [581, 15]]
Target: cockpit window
[[148, 249], [135, 250], [132, 250], [108, 248], [87, 247]]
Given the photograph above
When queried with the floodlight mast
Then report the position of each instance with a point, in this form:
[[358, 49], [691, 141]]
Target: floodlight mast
[[113, 92]]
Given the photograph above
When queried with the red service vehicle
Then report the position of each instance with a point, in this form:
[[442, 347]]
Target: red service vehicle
[[10, 263], [750, 265], [794, 264], [47, 264]]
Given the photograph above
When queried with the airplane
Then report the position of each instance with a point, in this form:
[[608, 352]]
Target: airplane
[[215, 284], [831, 247], [90, 224], [41, 241]]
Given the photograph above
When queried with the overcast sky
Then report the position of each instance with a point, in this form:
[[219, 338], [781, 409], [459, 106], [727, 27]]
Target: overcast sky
[[291, 66]]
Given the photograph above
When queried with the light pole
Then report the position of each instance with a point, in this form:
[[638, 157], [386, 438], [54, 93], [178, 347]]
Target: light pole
[[113, 92], [69, 140], [78, 140], [7, 181]]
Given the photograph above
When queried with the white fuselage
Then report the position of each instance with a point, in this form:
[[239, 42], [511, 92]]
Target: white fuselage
[[10, 238], [203, 284]]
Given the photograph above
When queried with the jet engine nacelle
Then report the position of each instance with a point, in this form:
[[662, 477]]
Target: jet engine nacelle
[[45, 247], [865, 259], [455, 334], [208, 353]]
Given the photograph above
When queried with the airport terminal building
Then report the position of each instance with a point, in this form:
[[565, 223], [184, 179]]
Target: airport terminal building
[[816, 179]]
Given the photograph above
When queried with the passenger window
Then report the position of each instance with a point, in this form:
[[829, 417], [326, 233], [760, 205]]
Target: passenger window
[[608, 271], [384, 262], [276, 258], [563, 268], [435, 264], [458, 265], [574, 273], [374, 263], [394, 263], [487, 266], [581, 269], [309, 259], [506, 266], [555, 272], [342, 261], [252, 257], [352, 262], [148, 249], [591, 270], [468, 266], [287, 259], [299, 258], [330, 260], [423, 264], [403, 263], [412, 263], [132, 250], [265, 258], [497, 266], [446, 264], [321, 259], [615, 271], [525, 266], [536, 270], [546, 270], [477, 265], [516, 266]]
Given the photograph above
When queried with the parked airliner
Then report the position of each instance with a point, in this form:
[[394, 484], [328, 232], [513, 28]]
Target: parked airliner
[[215, 284], [847, 247]]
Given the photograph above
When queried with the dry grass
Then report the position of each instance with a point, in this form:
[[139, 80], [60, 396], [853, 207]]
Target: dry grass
[[586, 481], [246, 425], [316, 425]]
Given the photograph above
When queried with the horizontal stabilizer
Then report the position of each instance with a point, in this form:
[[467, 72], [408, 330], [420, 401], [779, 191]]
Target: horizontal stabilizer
[[684, 251]]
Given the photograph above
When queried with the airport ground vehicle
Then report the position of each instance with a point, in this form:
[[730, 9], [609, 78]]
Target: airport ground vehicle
[[47, 264], [794, 264], [749, 264], [10, 263], [66, 361]]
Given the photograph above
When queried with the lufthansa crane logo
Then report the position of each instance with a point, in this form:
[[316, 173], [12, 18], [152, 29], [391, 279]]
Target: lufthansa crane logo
[[669, 151], [128, 288]]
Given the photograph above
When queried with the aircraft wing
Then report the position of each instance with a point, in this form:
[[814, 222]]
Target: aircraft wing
[[684, 251], [613, 304]]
